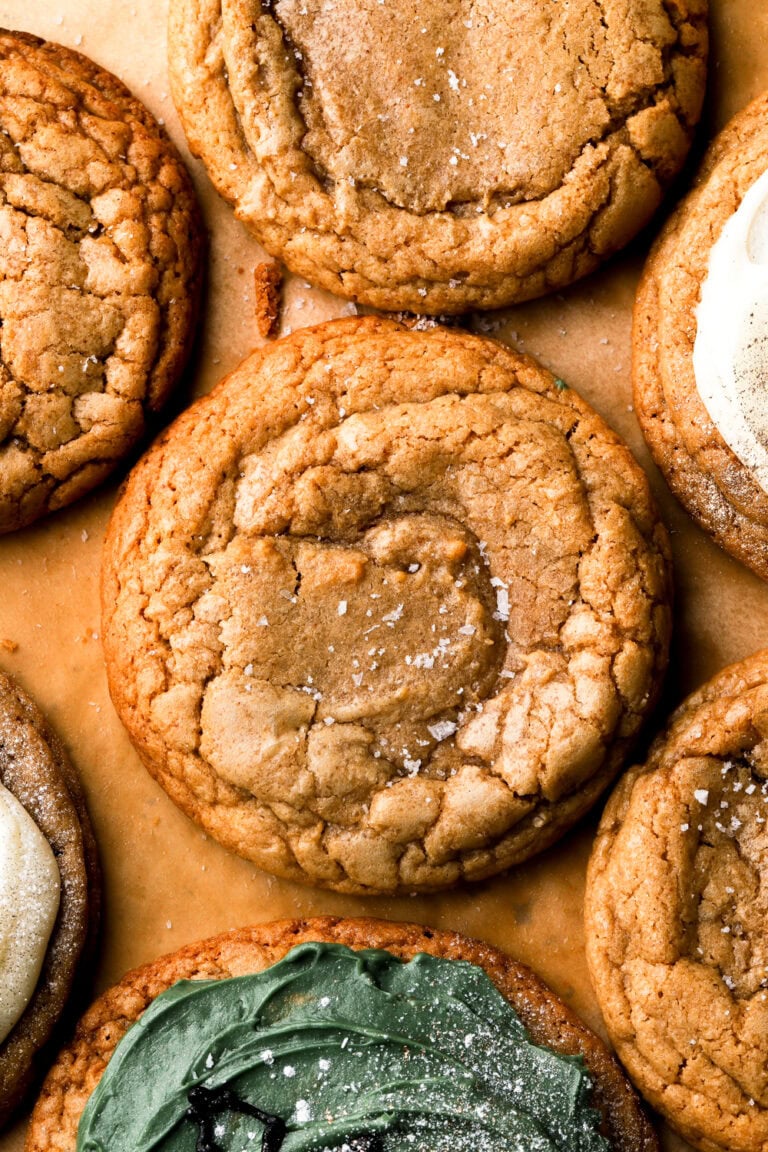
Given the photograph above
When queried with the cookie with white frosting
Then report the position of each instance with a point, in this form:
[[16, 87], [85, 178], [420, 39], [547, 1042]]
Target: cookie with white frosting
[[48, 888], [701, 343]]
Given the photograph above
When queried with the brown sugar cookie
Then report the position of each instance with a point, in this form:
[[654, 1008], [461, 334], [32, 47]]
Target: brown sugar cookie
[[677, 900], [699, 343], [36, 775], [385, 610], [441, 156], [100, 245], [249, 950]]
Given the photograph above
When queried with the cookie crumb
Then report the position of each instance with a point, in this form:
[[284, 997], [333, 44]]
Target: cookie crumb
[[9, 645], [268, 283]]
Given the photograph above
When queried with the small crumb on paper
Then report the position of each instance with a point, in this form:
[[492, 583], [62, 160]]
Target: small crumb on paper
[[268, 282]]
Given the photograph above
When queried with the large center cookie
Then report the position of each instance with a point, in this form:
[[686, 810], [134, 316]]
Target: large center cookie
[[385, 608], [445, 155]]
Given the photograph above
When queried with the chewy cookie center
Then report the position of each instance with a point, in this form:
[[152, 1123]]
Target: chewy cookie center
[[367, 653], [730, 880], [437, 105]]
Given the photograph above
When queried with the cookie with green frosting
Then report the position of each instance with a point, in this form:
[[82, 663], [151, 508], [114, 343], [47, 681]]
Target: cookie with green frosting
[[335, 1036]]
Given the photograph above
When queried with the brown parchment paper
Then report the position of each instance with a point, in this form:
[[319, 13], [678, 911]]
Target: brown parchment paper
[[165, 883]]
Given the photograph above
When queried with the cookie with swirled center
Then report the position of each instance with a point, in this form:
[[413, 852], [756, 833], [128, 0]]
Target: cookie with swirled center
[[677, 898], [36, 771], [100, 245], [548, 1021], [445, 156], [386, 608]]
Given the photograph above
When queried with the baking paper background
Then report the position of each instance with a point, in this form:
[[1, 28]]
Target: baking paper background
[[165, 883]]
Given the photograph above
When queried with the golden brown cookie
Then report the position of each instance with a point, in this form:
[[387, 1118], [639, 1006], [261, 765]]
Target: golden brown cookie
[[34, 768], [100, 246], [716, 486], [385, 610], [439, 157], [548, 1020], [677, 901]]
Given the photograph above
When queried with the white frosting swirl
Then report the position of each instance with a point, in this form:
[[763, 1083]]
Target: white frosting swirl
[[730, 353], [30, 887]]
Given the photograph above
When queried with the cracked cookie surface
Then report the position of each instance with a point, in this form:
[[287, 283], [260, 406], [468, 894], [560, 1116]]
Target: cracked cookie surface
[[440, 157], [100, 245], [385, 609], [677, 899], [35, 769], [715, 487], [77, 1072]]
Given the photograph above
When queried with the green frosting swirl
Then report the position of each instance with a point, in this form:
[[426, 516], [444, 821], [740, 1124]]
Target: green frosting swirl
[[427, 1055]]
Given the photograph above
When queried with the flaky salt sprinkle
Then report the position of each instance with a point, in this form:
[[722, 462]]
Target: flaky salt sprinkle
[[442, 729]]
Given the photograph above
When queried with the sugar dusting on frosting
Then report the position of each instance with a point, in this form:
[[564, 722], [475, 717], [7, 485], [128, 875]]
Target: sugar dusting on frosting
[[29, 901]]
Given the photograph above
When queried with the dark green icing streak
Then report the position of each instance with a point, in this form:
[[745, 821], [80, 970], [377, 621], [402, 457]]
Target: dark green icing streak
[[351, 1050]]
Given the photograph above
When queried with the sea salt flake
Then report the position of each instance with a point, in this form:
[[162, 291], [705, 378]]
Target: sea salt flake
[[502, 604], [442, 729], [342, 608], [702, 795], [467, 630]]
